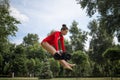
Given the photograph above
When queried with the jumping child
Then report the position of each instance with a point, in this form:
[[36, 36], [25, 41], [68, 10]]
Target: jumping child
[[50, 43]]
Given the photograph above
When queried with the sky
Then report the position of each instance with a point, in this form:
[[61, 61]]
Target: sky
[[42, 16]]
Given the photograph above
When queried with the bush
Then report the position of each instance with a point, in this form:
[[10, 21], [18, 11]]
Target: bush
[[45, 73], [112, 54]]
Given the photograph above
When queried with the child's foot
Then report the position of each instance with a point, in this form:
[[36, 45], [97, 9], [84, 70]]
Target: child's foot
[[71, 65], [68, 67], [65, 64]]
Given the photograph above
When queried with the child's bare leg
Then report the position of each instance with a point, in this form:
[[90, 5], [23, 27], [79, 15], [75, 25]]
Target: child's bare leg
[[71, 65], [48, 47], [65, 64], [52, 50]]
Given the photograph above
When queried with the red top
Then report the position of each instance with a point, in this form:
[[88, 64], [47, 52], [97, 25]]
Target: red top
[[54, 38]]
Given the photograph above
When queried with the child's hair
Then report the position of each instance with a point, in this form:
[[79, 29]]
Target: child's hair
[[64, 27]]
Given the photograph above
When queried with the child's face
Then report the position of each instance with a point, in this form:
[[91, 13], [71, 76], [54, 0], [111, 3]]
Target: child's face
[[64, 32]]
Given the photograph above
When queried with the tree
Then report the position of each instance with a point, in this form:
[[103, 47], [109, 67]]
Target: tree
[[37, 67], [45, 73], [9, 58], [35, 54], [35, 51], [77, 37], [109, 13], [30, 66], [68, 46], [19, 66], [30, 39], [7, 28], [55, 67], [81, 60], [4, 3], [33, 48], [7, 22], [100, 41], [1, 60], [112, 55]]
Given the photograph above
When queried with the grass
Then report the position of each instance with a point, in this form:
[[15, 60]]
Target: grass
[[22, 78], [19, 78], [83, 79]]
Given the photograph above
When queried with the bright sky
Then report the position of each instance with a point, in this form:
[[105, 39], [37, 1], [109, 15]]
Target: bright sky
[[42, 16]]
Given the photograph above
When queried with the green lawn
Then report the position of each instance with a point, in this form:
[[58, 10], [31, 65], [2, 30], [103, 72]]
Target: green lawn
[[85, 79], [19, 78]]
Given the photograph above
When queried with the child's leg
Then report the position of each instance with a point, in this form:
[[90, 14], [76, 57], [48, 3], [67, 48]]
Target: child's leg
[[52, 50], [48, 47], [65, 64], [71, 65]]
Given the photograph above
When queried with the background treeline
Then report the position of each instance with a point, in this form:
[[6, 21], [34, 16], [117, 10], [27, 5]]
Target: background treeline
[[30, 59]]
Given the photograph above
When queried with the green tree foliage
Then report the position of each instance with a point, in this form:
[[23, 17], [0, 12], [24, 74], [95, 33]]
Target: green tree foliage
[[77, 37], [68, 46], [35, 54], [19, 62], [7, 22], [33, 48], [35, 51], [31, 65], [79, 57], [7, 28], [30, 39], [4, 3], [97, 70], [103, 30], [82, 62], [8, 57], [37, 67], [100, 41], [109, 11], [54, 67], [1, 60], [112, 55], [45, 72]]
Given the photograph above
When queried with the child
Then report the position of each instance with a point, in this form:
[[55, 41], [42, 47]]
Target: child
[[50, 43]]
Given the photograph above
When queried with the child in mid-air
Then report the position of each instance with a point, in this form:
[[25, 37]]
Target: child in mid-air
[[50, 43]]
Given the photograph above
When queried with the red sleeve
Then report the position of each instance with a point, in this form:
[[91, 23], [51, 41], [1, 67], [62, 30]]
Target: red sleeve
[[56, 35], [62, 43]]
